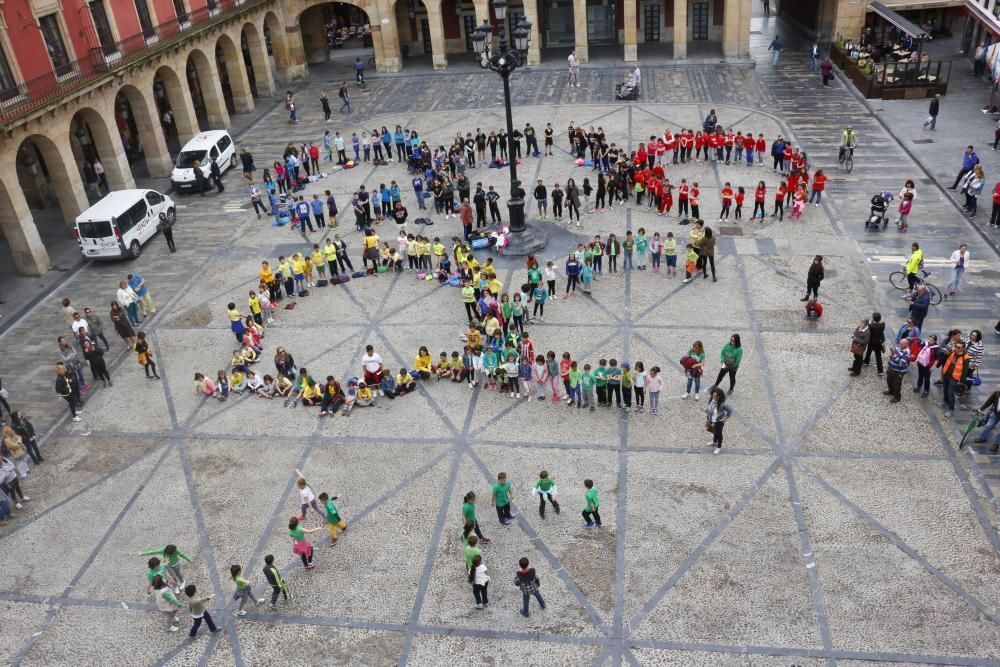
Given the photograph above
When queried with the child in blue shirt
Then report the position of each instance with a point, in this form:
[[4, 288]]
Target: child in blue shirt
[[541, 294]]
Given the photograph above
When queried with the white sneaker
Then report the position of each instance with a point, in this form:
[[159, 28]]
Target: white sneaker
[[26, 499], [77, 419], [19, 506], [241, 612], [684, 396], [173, 628], [512, 394], [696, 397], [717, 450], [518, 395]]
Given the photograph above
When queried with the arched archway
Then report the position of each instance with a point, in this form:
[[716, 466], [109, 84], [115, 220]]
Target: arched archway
[[19, 236], [137, 120], [422, 30], [91, 140], [257, 65], [277, 45], [336, 33], [206, 92], [174, 107], [233, 76]]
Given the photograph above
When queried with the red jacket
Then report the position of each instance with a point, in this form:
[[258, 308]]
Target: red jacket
[[996, 193], [761, 145], [760, 194]]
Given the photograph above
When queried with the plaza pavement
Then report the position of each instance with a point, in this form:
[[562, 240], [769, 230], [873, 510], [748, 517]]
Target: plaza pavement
[[833, 529]]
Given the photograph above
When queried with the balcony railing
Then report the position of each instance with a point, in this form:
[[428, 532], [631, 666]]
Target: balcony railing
[[101, 61]]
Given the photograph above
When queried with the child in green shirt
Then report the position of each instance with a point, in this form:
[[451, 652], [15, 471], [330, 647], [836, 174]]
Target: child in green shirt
[[592, 505], [545, 487], [333, 520], [601, 382], [641, 245], [243, 590], [627, 380], [501, 499], [173, 557], [471, 551], [575, 391], [587, 382], [469, 512], [614, 383]]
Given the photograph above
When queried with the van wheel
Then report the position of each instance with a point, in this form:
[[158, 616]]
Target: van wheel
[[135, 250], [232, 161], [171, 215]]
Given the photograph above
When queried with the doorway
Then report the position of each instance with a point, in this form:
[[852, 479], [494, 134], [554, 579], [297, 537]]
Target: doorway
[[651, 23], [699, 21], [601, 22]]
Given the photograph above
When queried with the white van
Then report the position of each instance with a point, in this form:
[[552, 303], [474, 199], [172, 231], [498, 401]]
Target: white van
[[118, 225], [203, 147]]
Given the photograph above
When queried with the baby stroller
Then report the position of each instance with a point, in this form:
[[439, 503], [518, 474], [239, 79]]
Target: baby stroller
[[627, 90], [880, 206]]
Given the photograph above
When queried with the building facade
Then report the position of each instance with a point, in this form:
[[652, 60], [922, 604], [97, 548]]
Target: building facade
[[122, 84]]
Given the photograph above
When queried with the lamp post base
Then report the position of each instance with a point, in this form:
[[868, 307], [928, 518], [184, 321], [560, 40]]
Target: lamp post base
[[524, 242]]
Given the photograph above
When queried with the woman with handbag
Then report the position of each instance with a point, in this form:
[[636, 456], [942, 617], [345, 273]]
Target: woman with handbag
[[859, 343], [694, 364], [716, 414]]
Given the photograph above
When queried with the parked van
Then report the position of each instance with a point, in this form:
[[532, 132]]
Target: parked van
[[118, 225], [203, 147]]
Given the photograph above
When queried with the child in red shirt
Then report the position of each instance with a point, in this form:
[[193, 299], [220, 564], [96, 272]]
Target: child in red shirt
[[759, 197], [693, 199], [653, 189], [787, 158], [730, 142], [661, 151], [740, 194], [718, 141], [682, 198], [740, 142], [779, 202], [699, 145], [674, 145], [761, 149], [727, 201], [819, 184], [666, 197], [793, 182]]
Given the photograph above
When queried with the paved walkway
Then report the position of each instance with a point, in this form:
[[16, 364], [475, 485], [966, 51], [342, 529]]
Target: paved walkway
[[825, 532]]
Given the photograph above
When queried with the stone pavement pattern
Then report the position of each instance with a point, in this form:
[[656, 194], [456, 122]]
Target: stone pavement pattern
[[833, 529]]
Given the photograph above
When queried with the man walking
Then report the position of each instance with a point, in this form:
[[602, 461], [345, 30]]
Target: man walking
[[969, 160], [814, 56], [775, 46], [345, 95], [574, 69], [826, 69], [67, 387], [767, 7], [138, 286], [899, 362], [932, 114], [216, 174]]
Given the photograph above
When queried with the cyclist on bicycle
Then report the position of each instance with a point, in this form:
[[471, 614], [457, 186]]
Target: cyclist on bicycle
[[848, 140], [359, 71], [913, 265]]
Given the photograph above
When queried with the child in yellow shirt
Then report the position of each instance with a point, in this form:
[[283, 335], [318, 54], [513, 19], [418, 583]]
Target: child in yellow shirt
[[319, 262], [307, 266]]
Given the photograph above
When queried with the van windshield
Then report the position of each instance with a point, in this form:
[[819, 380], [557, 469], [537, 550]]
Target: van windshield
[[100, 229], [186, 159]]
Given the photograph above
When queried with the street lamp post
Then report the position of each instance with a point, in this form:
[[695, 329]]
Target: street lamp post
[[503, 61]]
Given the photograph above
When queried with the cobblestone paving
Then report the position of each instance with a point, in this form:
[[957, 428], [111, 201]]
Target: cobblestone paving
[[833, 529]]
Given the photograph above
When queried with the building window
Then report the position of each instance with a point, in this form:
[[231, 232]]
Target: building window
[[8, 86], [55, 45], [103, 27], [213, 7], [145, 22], [180, 11]]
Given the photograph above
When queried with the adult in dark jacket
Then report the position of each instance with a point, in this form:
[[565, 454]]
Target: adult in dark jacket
[[814, 278], [932, 112], [876, 341], [216, 174], [67, 387], [919, 305], [201, 183], [991, 407], [826, 69], [859, 343], [26, 430], [707, 249]]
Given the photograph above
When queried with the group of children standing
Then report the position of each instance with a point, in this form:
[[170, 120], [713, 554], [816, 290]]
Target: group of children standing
[[502, 496]]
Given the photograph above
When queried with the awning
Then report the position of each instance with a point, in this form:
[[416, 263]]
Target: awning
[[897, 20]]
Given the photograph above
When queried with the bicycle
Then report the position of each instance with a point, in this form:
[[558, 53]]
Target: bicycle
[[360, 76], [899, 281], [846, 157], [975, 421]]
